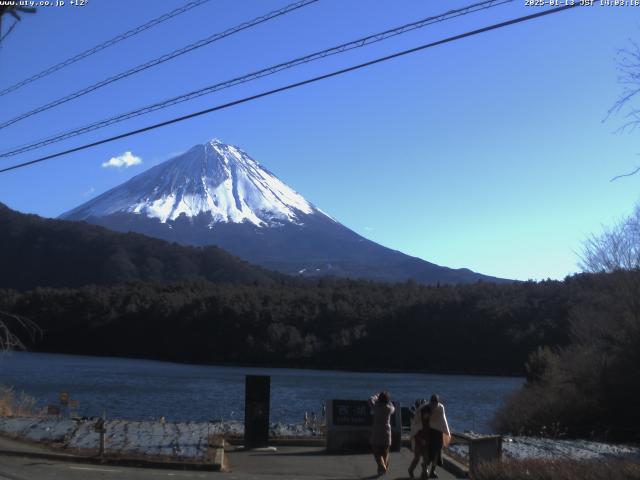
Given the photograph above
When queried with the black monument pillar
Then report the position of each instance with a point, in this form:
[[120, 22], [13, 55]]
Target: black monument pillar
[[256, 410]]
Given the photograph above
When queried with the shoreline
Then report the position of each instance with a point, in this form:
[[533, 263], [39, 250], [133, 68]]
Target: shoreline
[[276, 366]]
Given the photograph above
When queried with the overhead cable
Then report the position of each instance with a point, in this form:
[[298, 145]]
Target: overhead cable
[[294, 85], [102, 46], [159, 60], [361, 42]]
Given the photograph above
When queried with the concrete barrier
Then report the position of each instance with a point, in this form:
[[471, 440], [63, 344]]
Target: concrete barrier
[[482, 449]]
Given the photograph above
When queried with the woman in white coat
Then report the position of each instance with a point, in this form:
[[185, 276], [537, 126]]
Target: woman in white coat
[[439, 434]]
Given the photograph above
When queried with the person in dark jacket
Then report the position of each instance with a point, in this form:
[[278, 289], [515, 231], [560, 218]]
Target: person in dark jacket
[[419, 436]]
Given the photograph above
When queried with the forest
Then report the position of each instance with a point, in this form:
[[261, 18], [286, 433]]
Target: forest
[[330, 323]]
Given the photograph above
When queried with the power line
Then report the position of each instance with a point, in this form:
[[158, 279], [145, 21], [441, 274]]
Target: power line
[[102, 46], [361, 42], [164, 58], [294, 85]]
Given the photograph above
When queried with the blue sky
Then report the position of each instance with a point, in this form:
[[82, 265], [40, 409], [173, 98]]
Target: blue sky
[[489, 153]]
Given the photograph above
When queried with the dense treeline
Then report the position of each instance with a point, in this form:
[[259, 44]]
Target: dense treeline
[[591, 386], [480, 328], [38, 252]]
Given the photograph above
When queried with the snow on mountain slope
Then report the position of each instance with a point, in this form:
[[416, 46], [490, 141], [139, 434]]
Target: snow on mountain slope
[[218, 179]]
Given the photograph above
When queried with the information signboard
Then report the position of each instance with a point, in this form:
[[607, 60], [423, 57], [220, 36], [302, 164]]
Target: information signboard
[[349, 424], [351, 412]]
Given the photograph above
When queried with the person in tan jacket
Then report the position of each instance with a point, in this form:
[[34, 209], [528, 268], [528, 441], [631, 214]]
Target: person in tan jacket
[[381, 431]]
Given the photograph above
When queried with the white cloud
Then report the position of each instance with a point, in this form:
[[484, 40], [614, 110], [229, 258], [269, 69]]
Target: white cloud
[[126, 160], [89, 192]]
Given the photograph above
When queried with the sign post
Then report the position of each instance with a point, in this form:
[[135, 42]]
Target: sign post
[[101, 429], [64, 403], [74, 405], [256, 410]]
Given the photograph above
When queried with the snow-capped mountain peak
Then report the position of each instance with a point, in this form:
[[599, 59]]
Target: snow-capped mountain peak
[[216, 194], [214, 179]]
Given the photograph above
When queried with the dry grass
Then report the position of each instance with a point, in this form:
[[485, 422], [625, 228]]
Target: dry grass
[[16, 405], [559, 470]]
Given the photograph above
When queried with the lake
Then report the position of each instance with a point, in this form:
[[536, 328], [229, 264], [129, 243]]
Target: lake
[[146, 389]]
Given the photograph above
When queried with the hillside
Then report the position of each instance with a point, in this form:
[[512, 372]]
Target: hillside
[[37, 252]]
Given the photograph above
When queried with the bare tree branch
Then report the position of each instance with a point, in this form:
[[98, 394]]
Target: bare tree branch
[[629, 76], [11, 323], [616, 248], [625, 175]]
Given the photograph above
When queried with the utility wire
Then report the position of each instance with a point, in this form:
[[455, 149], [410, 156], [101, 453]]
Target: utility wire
[[294, 85], [361, 42], [102, 46], [164, 58]]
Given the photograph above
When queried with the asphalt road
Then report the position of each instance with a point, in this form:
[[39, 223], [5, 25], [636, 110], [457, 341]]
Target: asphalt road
[[287, 463]]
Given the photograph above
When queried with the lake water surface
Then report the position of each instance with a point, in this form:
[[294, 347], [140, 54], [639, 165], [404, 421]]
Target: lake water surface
[[145, 389]]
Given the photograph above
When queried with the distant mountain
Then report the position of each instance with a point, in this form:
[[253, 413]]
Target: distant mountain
[[216, 194], [38, 252]]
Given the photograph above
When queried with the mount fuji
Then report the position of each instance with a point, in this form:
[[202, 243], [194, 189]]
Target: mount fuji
[[216, 194]]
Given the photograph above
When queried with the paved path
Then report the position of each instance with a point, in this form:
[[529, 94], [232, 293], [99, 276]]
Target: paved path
[[16, 446], [287, 463], [314, 463]]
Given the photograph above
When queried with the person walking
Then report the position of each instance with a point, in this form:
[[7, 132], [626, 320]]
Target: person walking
[[381, 431], [418, 434], [439, 434]]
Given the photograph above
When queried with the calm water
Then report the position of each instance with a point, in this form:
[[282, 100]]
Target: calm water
[[144, 389]]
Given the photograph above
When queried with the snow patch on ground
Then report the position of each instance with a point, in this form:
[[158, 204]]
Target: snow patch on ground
[[189, 440], [521, 448], [36, 429], [185, 440]]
